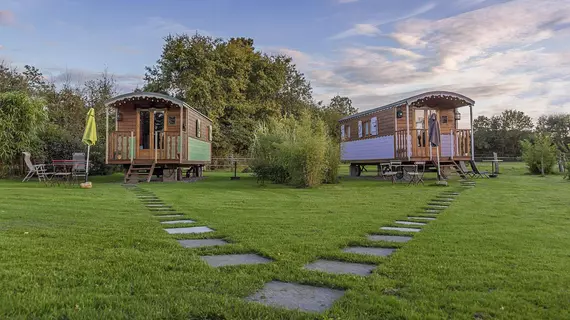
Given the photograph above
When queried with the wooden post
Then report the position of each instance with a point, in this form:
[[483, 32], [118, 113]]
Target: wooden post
[[408, 144], [155, 150], [181, 140], [107, 134], [131, 145], [472, 134]]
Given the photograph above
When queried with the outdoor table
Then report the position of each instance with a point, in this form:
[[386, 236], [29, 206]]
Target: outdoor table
[[495, 165], [62, 170]]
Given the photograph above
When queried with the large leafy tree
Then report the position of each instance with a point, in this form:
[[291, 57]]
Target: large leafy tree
[[558, 125], [338, 108], [231, 82], [502, 133]]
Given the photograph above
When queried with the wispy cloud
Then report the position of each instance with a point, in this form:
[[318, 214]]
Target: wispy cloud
[[509, 55], [162, 26], [362, 29], [372, 28], [346, 1]]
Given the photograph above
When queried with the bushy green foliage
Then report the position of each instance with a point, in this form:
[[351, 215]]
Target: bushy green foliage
[[298, 152], [21, 119], [539, 154]]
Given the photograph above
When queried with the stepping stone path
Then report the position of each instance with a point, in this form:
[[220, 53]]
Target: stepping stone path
[[177, 221], [294, 296], [389, 238], [411, 223], [202, 243], [380, 252], [190, 230], [421, 218], [340, 267], [401, 229], [234, 259]]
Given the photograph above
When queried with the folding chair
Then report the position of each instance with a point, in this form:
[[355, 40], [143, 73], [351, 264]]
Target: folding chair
[[417, 176], [476, 172], [79, 169], [464, 170], [38, 170]]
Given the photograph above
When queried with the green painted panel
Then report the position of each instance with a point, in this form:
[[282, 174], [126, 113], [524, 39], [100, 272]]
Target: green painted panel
[[132, 147], [198, 150]]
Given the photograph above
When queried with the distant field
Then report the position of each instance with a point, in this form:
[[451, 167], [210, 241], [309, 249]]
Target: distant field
[[499, 251]]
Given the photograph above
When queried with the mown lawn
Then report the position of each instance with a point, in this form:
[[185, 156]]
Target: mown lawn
[[500, 251]]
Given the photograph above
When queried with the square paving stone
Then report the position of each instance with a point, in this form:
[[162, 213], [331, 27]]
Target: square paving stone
[[411, 223], [375, 237], [177, 221], [340, 267], [188, 230], [421, 218], [381, 252], [294, 296], [401, 229], [234, 259], [202, 243]]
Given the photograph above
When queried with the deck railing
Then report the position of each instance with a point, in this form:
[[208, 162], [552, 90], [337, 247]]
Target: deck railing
[[167, 146], [462, 142], [416, 145], [122, 145]]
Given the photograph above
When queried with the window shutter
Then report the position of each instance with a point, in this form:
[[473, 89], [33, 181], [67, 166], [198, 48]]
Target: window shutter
[[198, 131], [342, 131], [360, 129], [210, 135], [374, 125]]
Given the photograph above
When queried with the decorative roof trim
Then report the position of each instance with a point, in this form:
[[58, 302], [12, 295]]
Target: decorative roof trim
[[411, 100], [151, 95]]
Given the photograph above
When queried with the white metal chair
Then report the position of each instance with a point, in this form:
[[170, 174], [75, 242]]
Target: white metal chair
[[38, 170]]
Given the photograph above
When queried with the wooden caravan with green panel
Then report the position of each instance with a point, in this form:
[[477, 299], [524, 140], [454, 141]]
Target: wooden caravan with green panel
[[158, 131]]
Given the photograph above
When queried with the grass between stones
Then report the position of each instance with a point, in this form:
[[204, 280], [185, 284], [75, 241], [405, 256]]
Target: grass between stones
[[501, 250]]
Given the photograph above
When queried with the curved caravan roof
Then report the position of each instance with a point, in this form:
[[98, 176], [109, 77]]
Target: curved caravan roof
[[431, 99], [149, 96]]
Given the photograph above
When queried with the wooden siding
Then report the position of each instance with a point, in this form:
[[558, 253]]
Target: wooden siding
[[385, 125], [367, 149]]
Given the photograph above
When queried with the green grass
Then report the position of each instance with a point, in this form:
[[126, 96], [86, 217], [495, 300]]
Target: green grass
[[500, 251]]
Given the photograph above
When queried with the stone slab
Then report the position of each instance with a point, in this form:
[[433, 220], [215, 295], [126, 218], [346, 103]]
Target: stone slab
[[431, 206], [401, 229], [168, 216], [450, 193], [432, 211], [177, 221], [380, 252], [158, 205], [421, 218], [202, 243], [294, 296], [188, 230], [443, 198], [410, 223], [341, 267], [234, 259], [375, 237]]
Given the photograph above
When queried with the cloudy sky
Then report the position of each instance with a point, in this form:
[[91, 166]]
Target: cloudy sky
[[503, 54]]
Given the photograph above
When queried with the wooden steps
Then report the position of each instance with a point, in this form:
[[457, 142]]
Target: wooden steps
[[140, 172]]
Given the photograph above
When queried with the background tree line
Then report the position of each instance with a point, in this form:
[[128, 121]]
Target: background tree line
[[232, 82], [503, 133]]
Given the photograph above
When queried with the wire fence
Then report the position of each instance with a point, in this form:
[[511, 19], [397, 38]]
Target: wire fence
[[227, 164]]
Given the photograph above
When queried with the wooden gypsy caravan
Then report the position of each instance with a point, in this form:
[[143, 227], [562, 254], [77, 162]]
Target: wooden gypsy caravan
[[156, 134], [399, 132]]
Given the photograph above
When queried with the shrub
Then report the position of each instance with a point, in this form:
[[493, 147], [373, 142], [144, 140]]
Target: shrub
[[540, 154], [298, 152]]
